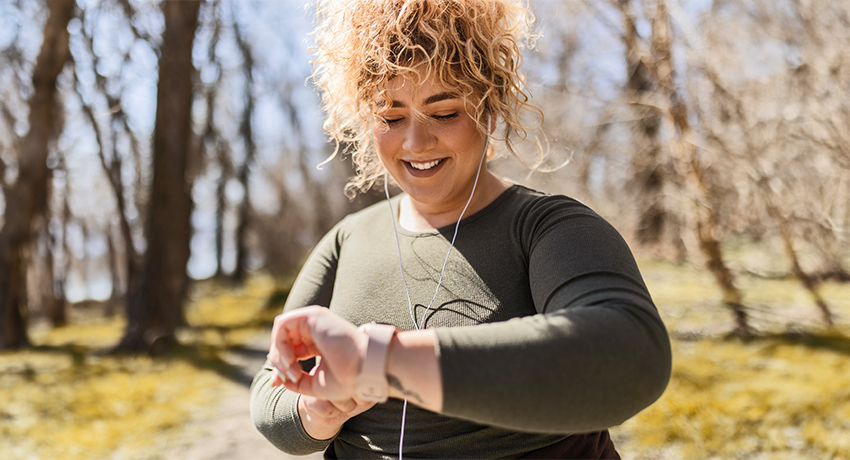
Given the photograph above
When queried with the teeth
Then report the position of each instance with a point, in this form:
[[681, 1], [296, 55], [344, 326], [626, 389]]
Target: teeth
[[424, 166]]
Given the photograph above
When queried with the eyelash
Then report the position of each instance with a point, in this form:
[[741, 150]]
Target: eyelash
[[394, 121]]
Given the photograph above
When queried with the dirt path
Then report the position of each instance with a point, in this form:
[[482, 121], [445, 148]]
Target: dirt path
[[227, 433]]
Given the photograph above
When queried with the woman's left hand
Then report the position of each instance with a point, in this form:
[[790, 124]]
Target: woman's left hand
[[316, 332], [322, 419]]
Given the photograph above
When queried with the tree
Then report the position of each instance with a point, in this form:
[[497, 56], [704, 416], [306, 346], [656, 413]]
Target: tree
[[652, 85], [155, 305], [26, 200], [788, 117], [247, 132], [648, 162], [684, 146]]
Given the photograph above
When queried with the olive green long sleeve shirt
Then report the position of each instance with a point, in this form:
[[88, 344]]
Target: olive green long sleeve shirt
[[545, 328]]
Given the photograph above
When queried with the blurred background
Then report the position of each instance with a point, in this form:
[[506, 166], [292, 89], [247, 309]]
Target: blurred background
[[159, 189]]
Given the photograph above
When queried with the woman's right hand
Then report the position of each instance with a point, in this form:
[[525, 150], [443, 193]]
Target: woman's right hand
[[316, 332], [327, 396]]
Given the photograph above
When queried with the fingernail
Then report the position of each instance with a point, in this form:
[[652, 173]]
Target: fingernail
[[291, 375], [280, 375]]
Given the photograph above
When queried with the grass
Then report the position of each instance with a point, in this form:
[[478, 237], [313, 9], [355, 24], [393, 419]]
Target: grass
[[782, 395], [65, 399]]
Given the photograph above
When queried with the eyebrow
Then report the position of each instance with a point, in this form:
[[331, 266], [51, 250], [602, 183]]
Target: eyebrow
[[429, 100]]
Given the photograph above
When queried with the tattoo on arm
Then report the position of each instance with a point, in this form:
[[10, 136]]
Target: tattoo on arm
[[409, 394]]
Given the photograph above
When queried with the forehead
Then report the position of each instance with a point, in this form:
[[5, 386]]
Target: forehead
[[416, 87], [415, 90]]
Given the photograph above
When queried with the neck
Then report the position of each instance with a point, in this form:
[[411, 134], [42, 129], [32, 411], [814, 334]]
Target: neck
[[420, 216]]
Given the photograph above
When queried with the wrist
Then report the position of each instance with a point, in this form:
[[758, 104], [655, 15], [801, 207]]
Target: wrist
[[413, 369]]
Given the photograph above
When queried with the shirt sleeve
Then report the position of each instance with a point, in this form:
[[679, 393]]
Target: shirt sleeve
[[274, 410], [596, 353]]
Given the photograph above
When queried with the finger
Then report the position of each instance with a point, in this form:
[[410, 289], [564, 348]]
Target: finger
[[299, 327], [283, 341], [278, 378], [288, 347], [294, 338], [320, 384], [304, 385]]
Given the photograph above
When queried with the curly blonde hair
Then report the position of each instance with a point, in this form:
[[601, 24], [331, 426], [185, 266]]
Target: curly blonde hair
[[471, 46]]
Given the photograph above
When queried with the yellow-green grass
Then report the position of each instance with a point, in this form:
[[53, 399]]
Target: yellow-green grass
[[771, 398], [783, 395], [65, 399]]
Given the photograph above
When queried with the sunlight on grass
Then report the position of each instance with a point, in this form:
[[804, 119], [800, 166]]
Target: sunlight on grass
[[224, 316], [77, 407], [65, 400], [731, 399], [221, 305], [785, 395], [93, 333]]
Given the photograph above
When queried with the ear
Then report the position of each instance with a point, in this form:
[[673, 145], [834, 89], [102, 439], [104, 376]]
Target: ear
[[492, 121]]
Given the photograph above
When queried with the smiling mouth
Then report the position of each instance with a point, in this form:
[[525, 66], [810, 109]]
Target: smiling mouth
[[424, 166]]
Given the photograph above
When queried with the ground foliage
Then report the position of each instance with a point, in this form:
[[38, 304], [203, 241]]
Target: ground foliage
[[67, 398], [783, 394]]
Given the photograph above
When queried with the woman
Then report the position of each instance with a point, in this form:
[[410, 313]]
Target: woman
[[515, 323]]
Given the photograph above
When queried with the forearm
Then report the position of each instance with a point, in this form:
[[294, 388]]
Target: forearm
[[580, 370], [274, 411], [413, 369]]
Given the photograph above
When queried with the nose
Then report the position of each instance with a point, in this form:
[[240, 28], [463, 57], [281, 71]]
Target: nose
[[418, 137]]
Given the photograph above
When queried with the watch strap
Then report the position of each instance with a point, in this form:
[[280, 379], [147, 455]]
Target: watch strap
[[372, 381]]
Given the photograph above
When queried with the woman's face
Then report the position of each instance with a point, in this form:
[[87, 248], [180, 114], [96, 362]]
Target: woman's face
[[434, 154]]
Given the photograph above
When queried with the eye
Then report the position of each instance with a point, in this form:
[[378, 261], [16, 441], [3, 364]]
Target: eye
[[392, 121], [444, 117]]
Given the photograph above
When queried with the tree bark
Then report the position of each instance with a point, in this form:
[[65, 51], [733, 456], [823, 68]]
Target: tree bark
[[114, 276], [685, 154], [53, 295], [155, 305], [247, 132], [647, 161], [808, 282], [27, 198], [220, 207]]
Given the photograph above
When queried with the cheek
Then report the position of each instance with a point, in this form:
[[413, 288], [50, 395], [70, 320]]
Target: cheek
[[385, 144], [463, 137]]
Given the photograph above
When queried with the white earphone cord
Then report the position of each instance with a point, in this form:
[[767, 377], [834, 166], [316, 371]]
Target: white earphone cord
[[442, 271]]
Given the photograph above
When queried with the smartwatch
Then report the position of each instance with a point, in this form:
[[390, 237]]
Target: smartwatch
[[371, 384]]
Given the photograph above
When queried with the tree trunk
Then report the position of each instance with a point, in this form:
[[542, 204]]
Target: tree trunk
[[114, 276], [27, 198], [247, 132], [54, 304], [685, 154], [240, 271], [220, 208], [805, 279], [647, 162], [155, 304]]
